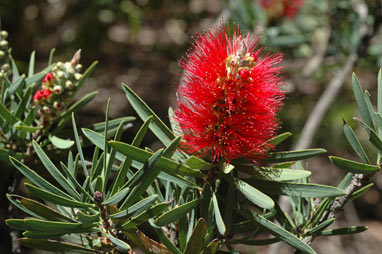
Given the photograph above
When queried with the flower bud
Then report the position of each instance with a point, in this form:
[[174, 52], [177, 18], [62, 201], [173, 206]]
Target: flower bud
[[3, 34], [48, 77], [37, 97], [1, 75], [78, 76], [57, 89], [6, 67], [60, 74], [59, 65], [57, 105], [79, 67], [98, 197], [46, 109], [2, 54], [46, 93], [71, 71], [3, 44], [69, 84]]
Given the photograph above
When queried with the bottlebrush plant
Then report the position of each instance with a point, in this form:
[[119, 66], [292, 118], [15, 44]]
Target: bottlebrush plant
[[213, 185]]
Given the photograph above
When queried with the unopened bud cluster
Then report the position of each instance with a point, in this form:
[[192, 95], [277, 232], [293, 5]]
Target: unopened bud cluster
[[5, 67], [58, 88]]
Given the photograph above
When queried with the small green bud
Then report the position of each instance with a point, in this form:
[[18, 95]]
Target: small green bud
[[71, 71], [79, 67], [57, 89], [46, 109], [1, 75], [6, 67], [78, 76], [3, 34], [60, 74], [3, 44], [69, 85], [54, 69], [2, 54], [59, 65], [57, 105]]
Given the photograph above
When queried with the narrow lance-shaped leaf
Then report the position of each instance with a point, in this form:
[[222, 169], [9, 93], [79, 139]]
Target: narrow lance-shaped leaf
[[360, 99], [54, 172], [176, 213], [297, 189], [218, 217], [353, 166], [276, 157], [48, 196], [196, 242], [356, 145]]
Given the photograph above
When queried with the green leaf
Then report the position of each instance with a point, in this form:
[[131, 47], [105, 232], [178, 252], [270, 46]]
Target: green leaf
[[112, 124], [218, 218], [197, 163], [37, 179], [26, 128], [51, 54], [60, 143], [56, 226], [88, 219], [42, 235], [116, 198], [212, 247], [276, 157], [43, 210], [196, 242], [176, 213], [87, 73], [75, 183], [320, 227], [146, 215], [360, 99], [164, 164], [360, 192], [171, 148], [137, 208], [31, 64], [16, 85], [54, 172], [119, 244], [144, 112], [56, 246], [56, 199], [280, 138], [379, 94], [7, 116], [86, 173], [344, 231], [261, 242], [142, 179], [272, 228], [356, 145], [306, 190], [353, 166], [252, 194]]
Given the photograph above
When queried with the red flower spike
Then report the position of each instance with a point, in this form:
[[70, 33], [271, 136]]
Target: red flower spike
[[229, 98], [37, 96], [46, 93], [48, 77]]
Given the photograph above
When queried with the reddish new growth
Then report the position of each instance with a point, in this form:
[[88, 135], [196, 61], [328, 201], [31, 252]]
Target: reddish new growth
[[229, 98], [284, 8]]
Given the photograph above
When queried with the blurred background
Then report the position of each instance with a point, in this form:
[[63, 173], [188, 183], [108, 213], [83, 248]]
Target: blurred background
[[139, 42]]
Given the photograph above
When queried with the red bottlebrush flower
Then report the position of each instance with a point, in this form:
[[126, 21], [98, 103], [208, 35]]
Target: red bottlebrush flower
[[48, 77], [230, 96], [46, 93], [37, 97]]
